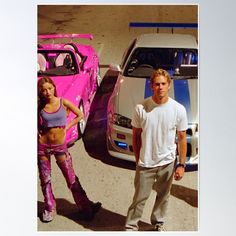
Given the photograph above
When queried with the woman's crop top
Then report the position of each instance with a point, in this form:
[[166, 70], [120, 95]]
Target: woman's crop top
[[54, 119]]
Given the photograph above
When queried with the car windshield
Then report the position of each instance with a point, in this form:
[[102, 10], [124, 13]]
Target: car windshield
[[143, 61], [56, 63]]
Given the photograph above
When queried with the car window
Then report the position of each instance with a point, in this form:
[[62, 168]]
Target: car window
[[143, 61], [56, 63]]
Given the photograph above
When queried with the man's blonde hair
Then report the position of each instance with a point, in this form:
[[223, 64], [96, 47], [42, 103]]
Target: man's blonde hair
[[160, 72]]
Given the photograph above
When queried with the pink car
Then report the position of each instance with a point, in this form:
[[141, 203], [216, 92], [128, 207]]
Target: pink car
[[74, 68]]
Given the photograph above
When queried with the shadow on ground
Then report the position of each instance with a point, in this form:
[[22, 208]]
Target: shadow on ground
[[104, 220], [188, 195]]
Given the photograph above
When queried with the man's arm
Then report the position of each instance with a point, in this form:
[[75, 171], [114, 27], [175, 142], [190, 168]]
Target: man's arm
[[137, 142], [182, 150]]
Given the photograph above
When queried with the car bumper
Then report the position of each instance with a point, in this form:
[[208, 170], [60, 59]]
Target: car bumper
[[119, 142]]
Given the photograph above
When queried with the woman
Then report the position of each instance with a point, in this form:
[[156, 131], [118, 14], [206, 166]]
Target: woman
[[52, 113]]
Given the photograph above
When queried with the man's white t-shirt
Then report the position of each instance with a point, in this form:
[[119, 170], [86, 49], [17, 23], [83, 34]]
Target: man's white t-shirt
[[159, 123]]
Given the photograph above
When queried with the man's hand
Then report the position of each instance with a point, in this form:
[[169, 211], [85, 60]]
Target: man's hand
[[179, 173], [182, 149]]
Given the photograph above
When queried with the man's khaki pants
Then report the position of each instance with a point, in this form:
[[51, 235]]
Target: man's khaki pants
[[160, 180]]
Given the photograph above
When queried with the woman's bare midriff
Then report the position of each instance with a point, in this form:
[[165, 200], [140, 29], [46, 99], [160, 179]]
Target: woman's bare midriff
[[53, 136]]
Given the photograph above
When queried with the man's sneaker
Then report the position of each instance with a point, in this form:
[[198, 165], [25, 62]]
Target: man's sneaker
[[159, 227], [47, 216]]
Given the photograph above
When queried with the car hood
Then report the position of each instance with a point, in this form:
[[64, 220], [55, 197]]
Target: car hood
[[130, 91]]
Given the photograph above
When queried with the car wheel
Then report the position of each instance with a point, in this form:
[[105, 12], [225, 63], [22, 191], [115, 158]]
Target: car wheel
[[82, 123]]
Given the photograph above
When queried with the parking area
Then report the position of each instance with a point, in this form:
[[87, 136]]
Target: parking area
[[104, 178]]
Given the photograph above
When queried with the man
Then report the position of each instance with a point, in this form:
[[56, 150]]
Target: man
[[155, 122]]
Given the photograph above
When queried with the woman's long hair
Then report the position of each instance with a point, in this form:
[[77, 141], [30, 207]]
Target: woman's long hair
[[41, 100]]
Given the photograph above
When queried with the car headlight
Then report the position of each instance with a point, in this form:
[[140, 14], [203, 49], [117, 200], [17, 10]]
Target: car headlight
[[120, 120]]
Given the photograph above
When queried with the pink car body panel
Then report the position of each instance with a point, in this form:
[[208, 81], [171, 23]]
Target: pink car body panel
[[79, 85]]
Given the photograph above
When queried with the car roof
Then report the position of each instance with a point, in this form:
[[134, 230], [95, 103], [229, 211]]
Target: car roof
[[166, 40]]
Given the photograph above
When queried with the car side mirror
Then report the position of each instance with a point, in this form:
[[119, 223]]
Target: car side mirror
[[87, 67], [115, 67]]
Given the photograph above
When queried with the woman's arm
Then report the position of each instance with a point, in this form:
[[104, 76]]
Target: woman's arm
[[78, 113]]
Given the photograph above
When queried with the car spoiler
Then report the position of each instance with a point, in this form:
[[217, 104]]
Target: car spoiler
[[70, 36], [162, 25]]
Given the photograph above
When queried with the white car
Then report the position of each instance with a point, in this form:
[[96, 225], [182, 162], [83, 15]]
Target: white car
[[176, 53]]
